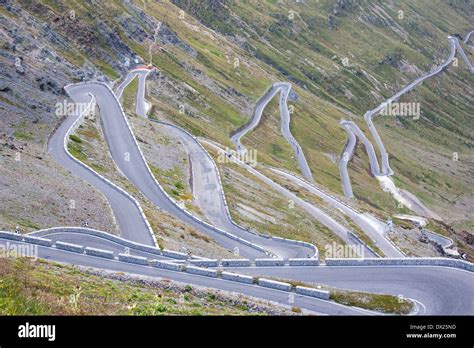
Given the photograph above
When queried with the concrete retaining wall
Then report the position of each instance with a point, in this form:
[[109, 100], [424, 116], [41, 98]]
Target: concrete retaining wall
[[303, 262], [69, 247], [167, 265], [100, 234], [235, 262], [269, 262], [11, 236], [201, 271], [174, 254], [237, 277], [38, 240], [133, 259], [204, 263], [268, 283], [302, 290], [99, 253], [438, 261]]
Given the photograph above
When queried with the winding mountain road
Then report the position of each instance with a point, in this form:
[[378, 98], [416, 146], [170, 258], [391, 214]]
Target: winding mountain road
[[436, 290], [338, 229], [126, 212], [207, 188], [281, 297], [128, 157], [385, 170], [353, 132], [284, 88], [208, 191]]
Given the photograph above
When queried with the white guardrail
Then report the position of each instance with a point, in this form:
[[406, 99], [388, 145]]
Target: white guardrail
[[294, 262], [237, 277], [99, 252], [203, 262], [407, 261], [268, 283], [70, 247], [115, 239]]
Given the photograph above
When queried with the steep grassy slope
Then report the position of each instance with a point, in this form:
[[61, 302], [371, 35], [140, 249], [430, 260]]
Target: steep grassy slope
[[353, 55], [385, 50]]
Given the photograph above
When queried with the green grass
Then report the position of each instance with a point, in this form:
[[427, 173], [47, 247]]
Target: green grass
[[74, 57], [106, 69], [97, 167], [375, 302], [26, 224], [75, 138], [129, 96], [39, 287], [6, 101], [76, 150], [89, 131], [13, 302], [171, 179], [267, 140], [22, 135]]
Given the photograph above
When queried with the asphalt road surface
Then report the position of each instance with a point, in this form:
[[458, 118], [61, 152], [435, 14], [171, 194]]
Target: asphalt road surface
[[282, 297], [372, 227], [127, 214], [314, 211]]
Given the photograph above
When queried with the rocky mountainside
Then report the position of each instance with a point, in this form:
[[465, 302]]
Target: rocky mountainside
[[215, 59]]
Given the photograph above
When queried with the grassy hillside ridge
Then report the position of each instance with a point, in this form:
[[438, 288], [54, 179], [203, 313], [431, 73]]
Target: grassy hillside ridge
[[385, 50]]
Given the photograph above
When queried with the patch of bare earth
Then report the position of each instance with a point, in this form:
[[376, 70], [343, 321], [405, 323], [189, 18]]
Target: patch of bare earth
[[38, 193]]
